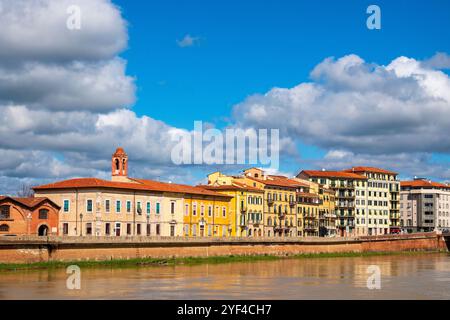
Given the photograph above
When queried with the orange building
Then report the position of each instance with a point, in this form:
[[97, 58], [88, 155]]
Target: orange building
[[28, 216]]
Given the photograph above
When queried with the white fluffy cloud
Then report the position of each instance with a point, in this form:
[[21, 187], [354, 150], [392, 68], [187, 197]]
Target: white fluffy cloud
[[37, 31], [360, 107], [65, 96]]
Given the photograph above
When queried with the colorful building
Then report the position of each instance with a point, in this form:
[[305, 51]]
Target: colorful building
[[377, 205], [345, 185], [28, 216], [424, 205], [126, 206], [280, 202], [246, 206], [327, 212]]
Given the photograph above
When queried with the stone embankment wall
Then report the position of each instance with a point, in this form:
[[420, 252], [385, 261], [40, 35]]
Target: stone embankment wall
[[41, 249]]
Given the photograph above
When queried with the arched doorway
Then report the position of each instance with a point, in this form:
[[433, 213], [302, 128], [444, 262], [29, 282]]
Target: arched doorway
[[43, 230]]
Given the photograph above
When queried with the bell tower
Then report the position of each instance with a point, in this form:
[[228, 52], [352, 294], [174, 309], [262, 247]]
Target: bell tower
[[119, 165]]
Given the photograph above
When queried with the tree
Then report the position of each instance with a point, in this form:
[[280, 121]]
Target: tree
[[25, 191]]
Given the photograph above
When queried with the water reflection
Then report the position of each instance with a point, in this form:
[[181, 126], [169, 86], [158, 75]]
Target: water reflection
[[402, 277]]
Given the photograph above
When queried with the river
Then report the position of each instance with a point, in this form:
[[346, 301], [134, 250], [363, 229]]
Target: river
[[421, 276]]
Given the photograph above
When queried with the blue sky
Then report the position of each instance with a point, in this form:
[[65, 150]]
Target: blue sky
[[136, 71], [248, 47]]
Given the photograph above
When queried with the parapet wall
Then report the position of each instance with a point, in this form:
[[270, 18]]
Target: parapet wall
[[39, 249]]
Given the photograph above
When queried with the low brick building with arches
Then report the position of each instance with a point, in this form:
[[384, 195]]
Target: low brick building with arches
[[28, 216]]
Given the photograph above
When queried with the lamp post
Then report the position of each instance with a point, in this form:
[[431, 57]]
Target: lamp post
[[81, 224]]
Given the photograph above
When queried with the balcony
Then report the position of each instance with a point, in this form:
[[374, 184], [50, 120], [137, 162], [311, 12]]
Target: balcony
[[346, 195], [345, 205]]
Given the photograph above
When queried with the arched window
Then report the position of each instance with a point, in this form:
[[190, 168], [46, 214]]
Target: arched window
[[43, 214], [4, 212], [4, 228]]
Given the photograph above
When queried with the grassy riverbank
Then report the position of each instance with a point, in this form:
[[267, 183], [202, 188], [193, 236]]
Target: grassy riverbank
[[126, 263]]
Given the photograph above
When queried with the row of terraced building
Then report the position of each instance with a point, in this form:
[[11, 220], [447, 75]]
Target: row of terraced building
[[353, 202]]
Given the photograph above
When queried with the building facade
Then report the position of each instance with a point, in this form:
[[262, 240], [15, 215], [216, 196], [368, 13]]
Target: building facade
[[280, 205], [378, 202], [327, 212], [28, 216], [128, 206], [424, 205], [345, 186], [246, 203]]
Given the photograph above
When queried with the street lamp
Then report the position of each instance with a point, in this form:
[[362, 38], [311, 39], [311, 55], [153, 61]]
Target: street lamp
[[81, 224]]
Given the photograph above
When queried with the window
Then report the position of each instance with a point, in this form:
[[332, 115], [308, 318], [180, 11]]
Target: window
[[148, 208], [186, 230], [158, 207], [149, 229], [210, 211], [172, 231], [224, 212], [128, 206], [172, 207], [107, 206], [158, 229], [194, 210], [107, 229], [89, 205], [128, 228], [4, 212], [202, 210], [118, 206], [139, 207], [66, 205], [138, 229], [89, 229], [194, 230], [65, 228], [43, 214], [4, 228], [186, 210]]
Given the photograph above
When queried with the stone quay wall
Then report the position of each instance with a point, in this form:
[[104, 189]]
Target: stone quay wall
[[30, 249]]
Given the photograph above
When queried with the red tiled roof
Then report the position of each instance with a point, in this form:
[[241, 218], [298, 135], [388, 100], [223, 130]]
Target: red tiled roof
[[178, 188], [234, 186], [30, 202], [138, 184], [333, 174], [370, 169], [308, 195], [423, 184], [279, 182]]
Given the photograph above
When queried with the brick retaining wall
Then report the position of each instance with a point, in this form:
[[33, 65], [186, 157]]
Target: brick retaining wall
[[35, 249]]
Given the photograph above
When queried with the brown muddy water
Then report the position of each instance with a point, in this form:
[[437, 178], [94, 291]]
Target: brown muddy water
[[421, 276]]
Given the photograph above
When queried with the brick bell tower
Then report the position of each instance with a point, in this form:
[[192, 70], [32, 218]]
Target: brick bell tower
[[119, 166]]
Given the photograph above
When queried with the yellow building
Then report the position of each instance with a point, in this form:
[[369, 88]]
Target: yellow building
[[246, 204], [327, 212], [308, 202], [280, 216], [208, 216]]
